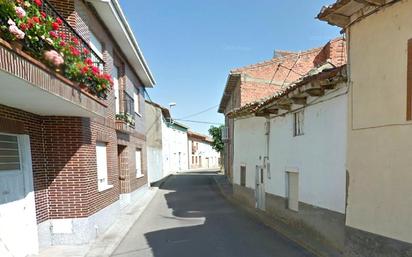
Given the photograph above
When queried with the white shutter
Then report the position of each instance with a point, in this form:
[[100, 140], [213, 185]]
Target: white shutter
[[136, 99], [101, 159], [115, 75], [138, 158], [97, 47]]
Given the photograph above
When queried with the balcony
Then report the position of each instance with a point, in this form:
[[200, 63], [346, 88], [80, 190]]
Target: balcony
[[125, 121], [46, 67]]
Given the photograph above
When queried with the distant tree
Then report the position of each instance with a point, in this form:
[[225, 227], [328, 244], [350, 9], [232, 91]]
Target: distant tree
[[216, 133]]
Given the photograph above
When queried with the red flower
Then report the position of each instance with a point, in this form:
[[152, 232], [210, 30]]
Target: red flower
[[95, 70], [53, 34], [62, 35], [36, 19], [23, 26], [62, 43], [74, 51], [43, 14], [38, 2], [88, 61], [75, 40], [30, 24], [84, 70], [86, 51], [55, 26], [59, 21]]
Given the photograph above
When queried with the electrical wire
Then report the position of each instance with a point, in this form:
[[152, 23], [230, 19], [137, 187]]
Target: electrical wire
[[195, 114], [201, 122], [290, 70]]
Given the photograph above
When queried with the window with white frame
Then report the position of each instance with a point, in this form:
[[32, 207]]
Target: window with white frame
[[136, 98], [97, 46], [101, 160], [298, 118], [138, 158]]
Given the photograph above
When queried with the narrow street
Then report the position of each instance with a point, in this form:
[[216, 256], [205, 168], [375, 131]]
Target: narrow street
[[188, 217]]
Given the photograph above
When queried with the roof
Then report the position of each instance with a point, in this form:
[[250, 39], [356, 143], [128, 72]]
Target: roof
[[182, 126], [165, 111], [343, 13], [199, 136], [326, 73], [114, 19], [268, 77]]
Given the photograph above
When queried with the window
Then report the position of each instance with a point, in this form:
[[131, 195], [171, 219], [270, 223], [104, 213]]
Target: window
[[298, 123], [136, 98], [138, 158], [293, 190], [129, 105], [101, 159], [243, 176], [9, 153], [115, 75], [97, 47], [225, 133]]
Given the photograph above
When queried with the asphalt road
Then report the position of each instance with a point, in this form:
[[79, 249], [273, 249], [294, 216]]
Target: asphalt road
[[189, 218]]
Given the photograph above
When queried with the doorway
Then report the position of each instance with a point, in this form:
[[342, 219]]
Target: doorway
[[260, 188], [292, 190], [18, 233]]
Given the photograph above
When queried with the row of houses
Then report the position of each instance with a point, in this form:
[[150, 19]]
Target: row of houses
[[76, 140], [320, 138], [173, 147]]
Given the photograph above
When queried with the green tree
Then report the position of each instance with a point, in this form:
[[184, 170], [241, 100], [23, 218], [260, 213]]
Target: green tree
[[216, 133]]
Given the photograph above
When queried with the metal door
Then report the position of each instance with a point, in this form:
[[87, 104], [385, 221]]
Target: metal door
[[18, 229], [260, 187]]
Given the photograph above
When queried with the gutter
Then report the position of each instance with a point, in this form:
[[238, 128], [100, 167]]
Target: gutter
[[115, 9]]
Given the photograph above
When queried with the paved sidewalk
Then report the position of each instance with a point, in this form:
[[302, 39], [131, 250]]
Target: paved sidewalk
[[312, 244], [108, 242]]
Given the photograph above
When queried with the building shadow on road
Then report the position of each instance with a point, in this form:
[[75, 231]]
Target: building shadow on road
[[204, 224]]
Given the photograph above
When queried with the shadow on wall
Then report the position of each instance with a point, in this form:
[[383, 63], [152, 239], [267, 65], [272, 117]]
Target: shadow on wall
[[203, 224]]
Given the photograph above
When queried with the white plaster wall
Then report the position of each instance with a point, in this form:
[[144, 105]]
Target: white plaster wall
[[206, 152], [166, 149], [249, 146], [380, 141], [319, 155], [154, 164], [177, 142]]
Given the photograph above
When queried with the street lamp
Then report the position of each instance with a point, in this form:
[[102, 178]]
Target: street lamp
[[171, 105]]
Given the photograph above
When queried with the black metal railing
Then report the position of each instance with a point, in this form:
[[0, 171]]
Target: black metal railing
[[70, 32]]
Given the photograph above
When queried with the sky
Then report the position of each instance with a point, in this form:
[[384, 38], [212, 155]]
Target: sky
[[191, 45]]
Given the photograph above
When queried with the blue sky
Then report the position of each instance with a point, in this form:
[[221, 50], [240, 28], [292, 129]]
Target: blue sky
[[191, 45]]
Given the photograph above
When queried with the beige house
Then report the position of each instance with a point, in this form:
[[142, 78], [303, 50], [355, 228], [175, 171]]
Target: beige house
[[379, 201]]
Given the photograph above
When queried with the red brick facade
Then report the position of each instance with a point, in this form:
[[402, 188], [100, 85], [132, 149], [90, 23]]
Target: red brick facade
[[64, 148]]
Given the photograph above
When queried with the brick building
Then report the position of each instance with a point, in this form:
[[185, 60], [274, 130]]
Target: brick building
[[250, 83], [69, 159]]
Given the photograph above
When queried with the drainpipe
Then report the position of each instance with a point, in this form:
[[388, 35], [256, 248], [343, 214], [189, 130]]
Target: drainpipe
[[266, 164]]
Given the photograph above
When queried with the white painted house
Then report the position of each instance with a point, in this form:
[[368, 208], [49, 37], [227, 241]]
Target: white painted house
[[176, 148], [157, 140], [201, 152], [290, 153], [167, 143]]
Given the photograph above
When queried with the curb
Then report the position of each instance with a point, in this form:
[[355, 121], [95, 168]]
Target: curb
[[107, 244], [266, 220]]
